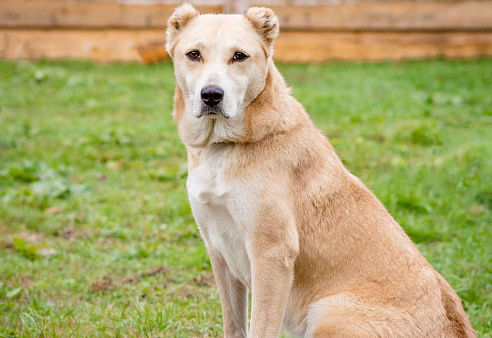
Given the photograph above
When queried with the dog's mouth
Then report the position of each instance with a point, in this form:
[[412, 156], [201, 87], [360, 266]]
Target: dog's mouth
[[215, 112]]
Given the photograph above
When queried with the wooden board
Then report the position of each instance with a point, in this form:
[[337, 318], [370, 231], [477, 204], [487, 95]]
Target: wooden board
[[322, 46], [367, 15], [86, 14], [391, 16], [97, 45], [124, 45]]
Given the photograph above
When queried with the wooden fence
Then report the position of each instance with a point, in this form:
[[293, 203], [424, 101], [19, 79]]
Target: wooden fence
[[105, 30]]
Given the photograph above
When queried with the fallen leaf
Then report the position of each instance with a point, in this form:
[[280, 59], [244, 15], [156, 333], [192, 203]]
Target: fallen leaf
[[53, 210], [13, 293], [46, 252]]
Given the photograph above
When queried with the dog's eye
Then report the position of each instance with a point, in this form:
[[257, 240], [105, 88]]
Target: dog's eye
[[194, 55], [239, 56]]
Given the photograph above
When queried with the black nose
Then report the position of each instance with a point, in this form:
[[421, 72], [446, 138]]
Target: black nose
[[211, 96]]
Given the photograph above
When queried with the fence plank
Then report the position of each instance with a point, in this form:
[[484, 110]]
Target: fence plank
[[391, 16], [323, 46], [86, 14], [123, 45], [97, 45]]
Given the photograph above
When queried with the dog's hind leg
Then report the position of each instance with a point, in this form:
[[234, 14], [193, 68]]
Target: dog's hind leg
[[341, 316]]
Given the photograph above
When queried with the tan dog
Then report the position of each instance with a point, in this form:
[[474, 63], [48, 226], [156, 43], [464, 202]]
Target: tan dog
[[279, 213]]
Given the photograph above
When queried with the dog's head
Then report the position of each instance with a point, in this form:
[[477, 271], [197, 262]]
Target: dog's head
[[220, 61]]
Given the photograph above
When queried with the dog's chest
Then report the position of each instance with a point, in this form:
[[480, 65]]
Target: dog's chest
[[220, 212]]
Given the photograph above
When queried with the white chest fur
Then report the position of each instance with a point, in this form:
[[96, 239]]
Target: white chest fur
[[219, 208]]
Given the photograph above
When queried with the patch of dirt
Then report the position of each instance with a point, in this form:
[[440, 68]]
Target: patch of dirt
[[477, 209], [101, 177], [25, 281], [206, 279], [131, 280], [70, 233], [137, 278], [32, 238], [155, 271], [7, 245], [381, 138], [105, 284], [185, 291]]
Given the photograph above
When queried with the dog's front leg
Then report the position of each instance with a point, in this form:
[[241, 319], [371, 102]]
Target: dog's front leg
[[233, 298], [273, 255]]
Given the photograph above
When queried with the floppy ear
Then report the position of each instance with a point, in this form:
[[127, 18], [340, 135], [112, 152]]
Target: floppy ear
[[180, 18], [265, 22]]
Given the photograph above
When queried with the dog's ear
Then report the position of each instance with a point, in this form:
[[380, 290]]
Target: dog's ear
[[180, 18], [265, 22]]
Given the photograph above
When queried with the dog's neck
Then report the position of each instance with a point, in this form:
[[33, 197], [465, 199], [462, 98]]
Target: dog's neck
[[273, 111]]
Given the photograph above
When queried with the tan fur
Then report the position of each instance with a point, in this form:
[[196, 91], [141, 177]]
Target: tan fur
[[321, 254]]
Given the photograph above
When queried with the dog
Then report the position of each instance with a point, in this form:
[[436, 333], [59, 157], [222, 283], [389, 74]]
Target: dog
[[279, 213]]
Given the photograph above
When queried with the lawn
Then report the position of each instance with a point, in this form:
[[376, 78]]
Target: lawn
[[96, 233]]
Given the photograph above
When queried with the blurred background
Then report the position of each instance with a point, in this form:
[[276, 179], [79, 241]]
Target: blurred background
[[312, 30], [97, 238]]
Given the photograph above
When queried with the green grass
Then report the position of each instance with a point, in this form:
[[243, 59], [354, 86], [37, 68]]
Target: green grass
[[96, 233]]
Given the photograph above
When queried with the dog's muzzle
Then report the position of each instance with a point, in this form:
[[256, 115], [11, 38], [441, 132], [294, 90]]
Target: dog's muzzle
[[215, 112], [212, 97]]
